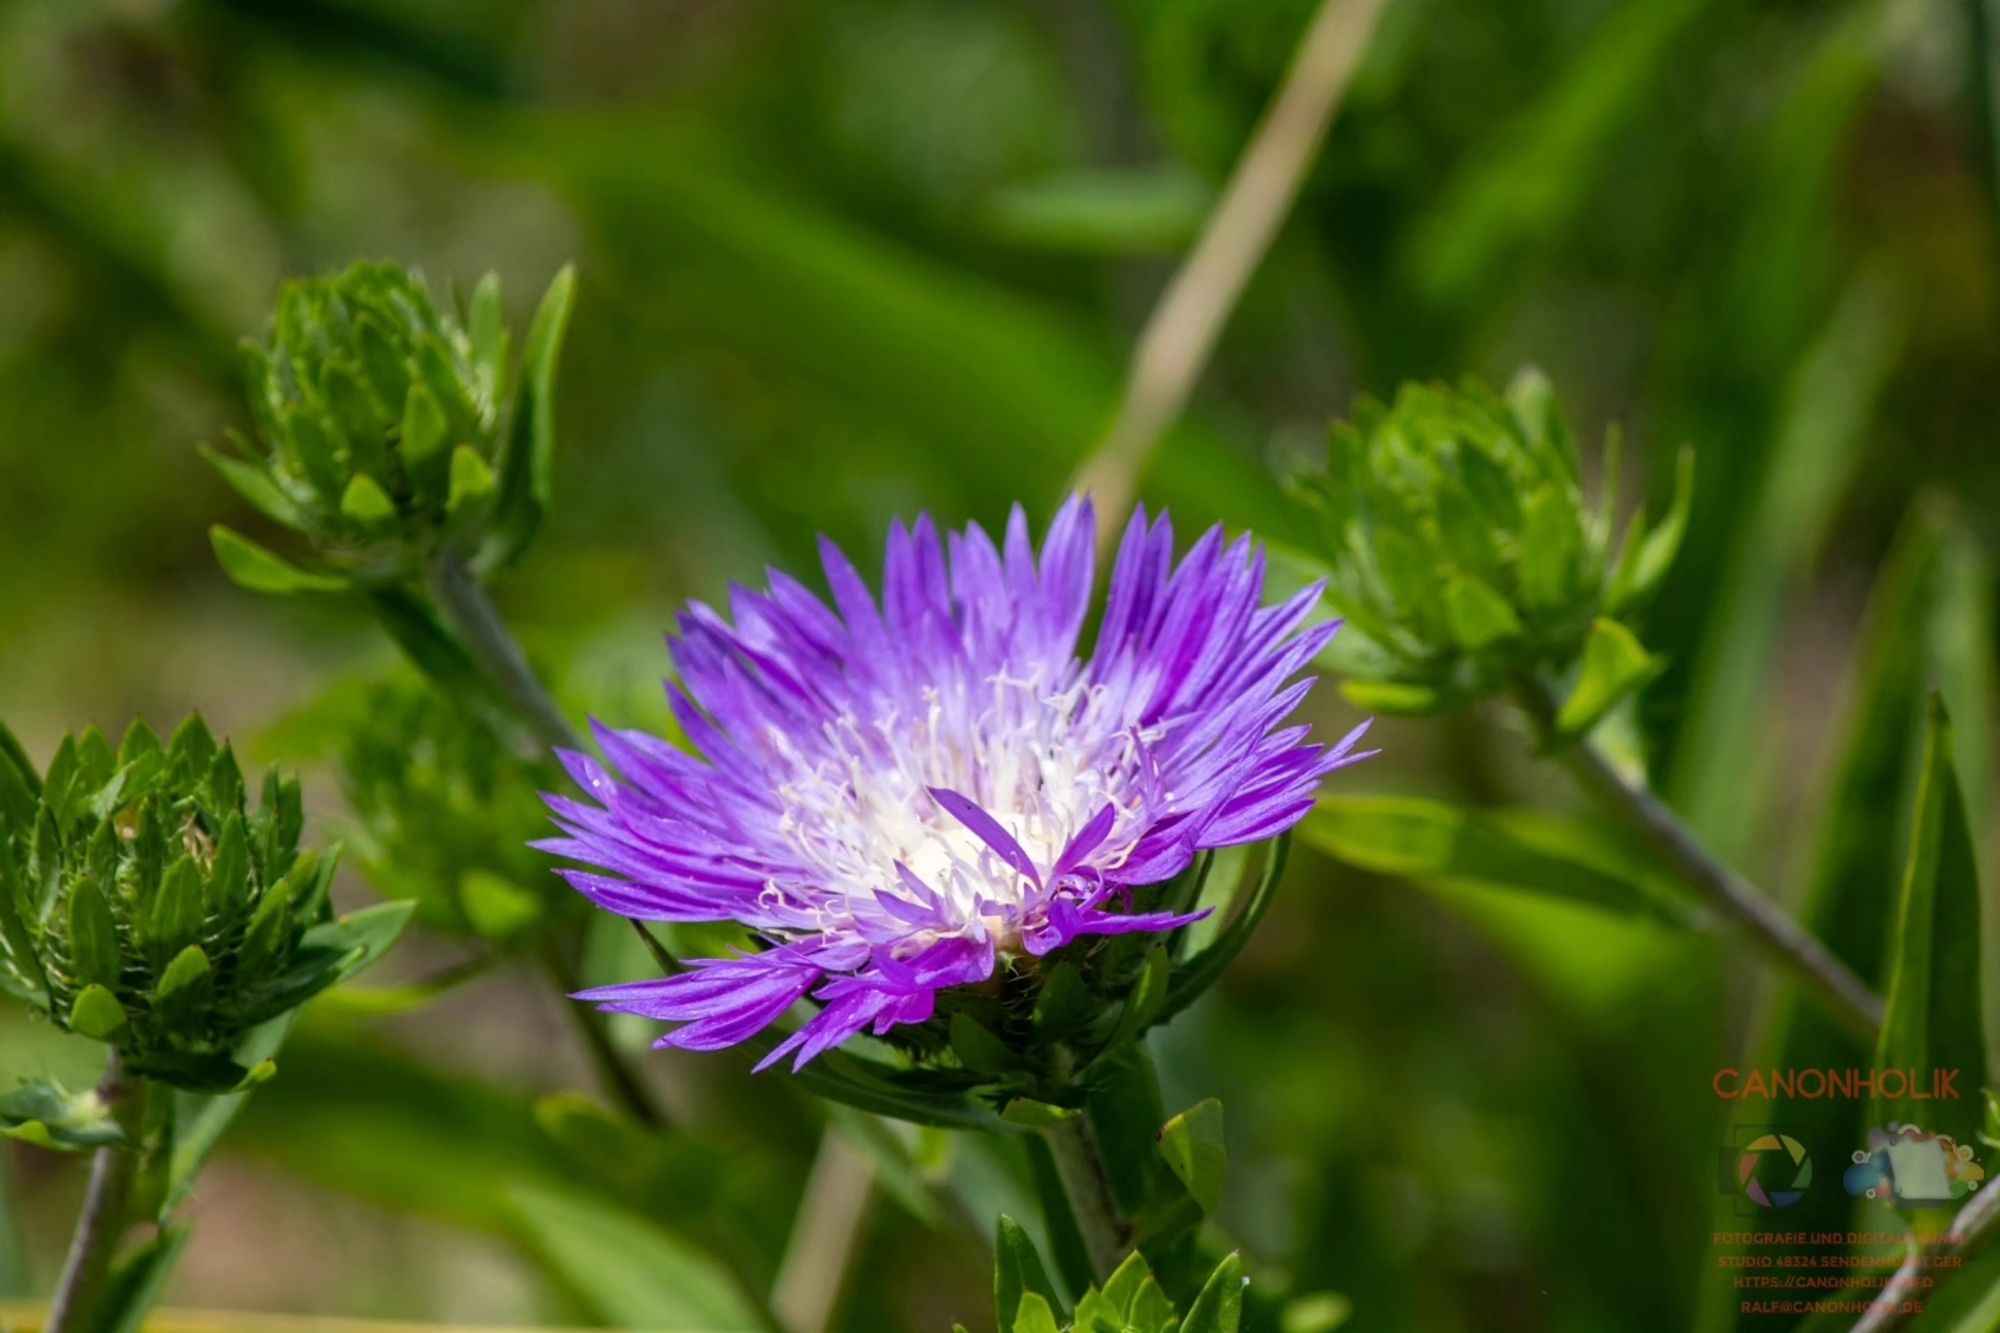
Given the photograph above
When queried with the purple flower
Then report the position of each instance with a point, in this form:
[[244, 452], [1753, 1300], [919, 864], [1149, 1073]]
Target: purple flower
[[896, 796]]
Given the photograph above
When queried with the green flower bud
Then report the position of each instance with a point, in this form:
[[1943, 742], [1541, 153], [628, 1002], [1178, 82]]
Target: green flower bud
[[387, 428], [447, 811], [1459, 546], [144, 904]]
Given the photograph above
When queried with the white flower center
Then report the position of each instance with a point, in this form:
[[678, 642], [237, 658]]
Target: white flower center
[[1042, 762]]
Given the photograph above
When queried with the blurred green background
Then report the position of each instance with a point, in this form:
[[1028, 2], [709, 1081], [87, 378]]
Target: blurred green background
[[840, 261]]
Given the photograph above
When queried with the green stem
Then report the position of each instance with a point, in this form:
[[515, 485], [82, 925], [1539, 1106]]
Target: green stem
[[486, 639], [100, 1226], [484, 635], [1776, 934], [1079, 1163], [613, 1071]]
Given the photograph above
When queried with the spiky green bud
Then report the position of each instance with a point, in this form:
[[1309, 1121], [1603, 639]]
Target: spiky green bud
[[143, 903], [1460, 548], [388, 427], [446, 809]]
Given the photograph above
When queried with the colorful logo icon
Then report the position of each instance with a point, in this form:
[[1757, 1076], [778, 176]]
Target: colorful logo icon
[[1904, 1163], [1774, 1171]]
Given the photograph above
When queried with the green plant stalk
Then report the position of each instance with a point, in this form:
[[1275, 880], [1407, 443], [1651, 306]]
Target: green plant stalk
[[1768, 926], [486, 639], [612, 1069], [484, 635], [1080, 1164], [106, 1212]]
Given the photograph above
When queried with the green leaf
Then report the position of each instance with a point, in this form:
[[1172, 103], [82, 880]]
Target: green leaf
[[367, 503], [15, 757], [96, 1013], [1413, 837], [254, 483], [527, 460], [425, 433], [1064, 1003], [1479, 616], [93, 936], [358, 938], [628, 1270], [1397, 698], [1644, 563], [1031, 1114], [1551, 537], [228, 890], [1035, 1316], [978, 1048], [137, 1283], [177, 911], [471, 481], [1192, 1145], [1148, 998], [1932, 1014], [1615, 664], [49, 1116], [186, 985], [251, 566], [1219, 1307], [199, 1120], [17, 941], [1201, 971], [1018, 1273]]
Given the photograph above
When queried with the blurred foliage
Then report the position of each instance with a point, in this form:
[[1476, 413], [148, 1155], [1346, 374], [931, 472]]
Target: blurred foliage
[[839, 261]]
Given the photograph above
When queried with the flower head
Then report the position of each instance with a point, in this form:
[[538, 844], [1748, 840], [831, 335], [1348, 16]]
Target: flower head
[[905, 796], [1458, 542], [388, 426], [144, 902]]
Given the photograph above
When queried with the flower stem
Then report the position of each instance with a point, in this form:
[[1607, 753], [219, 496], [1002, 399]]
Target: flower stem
[[613, 1070], [486, 638], [1767, 925], [1080, 1163], [99, 1227]]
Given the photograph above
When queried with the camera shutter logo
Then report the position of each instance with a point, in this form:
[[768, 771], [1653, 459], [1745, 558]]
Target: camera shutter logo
[[1774, 1170]]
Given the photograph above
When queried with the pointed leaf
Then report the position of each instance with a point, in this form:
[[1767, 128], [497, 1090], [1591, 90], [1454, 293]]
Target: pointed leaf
[[93, 936], [978, 1048], [1018, 1272], [425, 432], [50, 1116], [367, 503], [1219, 1307], [1479, 616], [1193, 1147], [251, 566], [96, 1013], [177, 911], [471, 481], [1035, 1316], [528, 455], [254, 483], [1397, 698], [1514, 850], [1644, 563], [1931, 1019], [1615, 664], [186, 986]]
